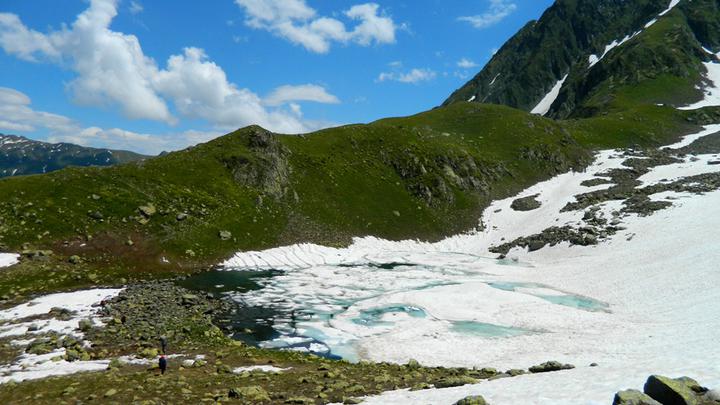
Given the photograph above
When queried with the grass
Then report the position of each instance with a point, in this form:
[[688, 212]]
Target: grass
[[422, 177]]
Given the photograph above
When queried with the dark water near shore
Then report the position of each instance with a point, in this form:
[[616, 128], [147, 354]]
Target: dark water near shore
[[249, 324]]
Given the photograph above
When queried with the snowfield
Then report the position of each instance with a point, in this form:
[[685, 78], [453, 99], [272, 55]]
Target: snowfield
[[643, 301], [17, 322], [8, 259]]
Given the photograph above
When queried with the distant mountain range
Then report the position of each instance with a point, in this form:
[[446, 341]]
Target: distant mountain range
[[20, 155]]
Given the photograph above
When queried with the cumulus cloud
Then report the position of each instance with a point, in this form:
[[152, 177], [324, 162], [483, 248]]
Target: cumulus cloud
[[465, 63], [297, 22], [413, 76], [112, 70], [305, 92], [18, 116], [497, 11]]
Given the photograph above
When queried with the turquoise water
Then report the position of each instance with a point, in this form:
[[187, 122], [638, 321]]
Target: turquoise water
[[488, 330], [372, 317], [568, 300], [576, 301]]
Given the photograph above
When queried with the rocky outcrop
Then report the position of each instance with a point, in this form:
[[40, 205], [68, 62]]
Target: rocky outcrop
[[660, 390], [266, 166]]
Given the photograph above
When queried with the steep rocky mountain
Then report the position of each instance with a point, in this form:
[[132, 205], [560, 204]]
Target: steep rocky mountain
[[585, 57], [20, 155]]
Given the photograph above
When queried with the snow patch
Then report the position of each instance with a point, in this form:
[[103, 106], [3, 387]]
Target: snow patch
[[544, 105], [8, 259], [712, 91], [14, 322], [689, 139], [471, 99], [263, 369]]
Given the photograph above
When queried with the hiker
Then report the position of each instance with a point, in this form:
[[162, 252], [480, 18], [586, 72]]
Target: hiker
[[163, 364], [163, 344]]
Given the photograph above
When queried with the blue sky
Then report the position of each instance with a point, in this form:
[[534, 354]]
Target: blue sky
[[161, 75]]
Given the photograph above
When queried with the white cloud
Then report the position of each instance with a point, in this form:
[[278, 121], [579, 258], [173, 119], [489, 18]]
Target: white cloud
[[465, 63], [497, 11], [136, 7], [116, 138], [305, 92], [414, 76], [297, 22], [112, 70], [19, 117]]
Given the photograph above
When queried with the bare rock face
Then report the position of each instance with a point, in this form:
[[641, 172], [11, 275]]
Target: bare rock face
[[266, 166]]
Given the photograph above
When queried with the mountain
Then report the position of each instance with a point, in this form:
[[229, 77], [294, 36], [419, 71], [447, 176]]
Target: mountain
[[587, 57], [20, 156], [420, 177]]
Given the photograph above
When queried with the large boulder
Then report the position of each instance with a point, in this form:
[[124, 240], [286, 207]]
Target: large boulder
[[550, 366], [251, 394], [526, 203], [678, 391], [633, 397]]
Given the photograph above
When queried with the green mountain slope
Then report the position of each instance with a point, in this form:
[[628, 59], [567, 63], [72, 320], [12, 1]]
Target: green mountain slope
[[425, 176], [20, 156], [649, 63]]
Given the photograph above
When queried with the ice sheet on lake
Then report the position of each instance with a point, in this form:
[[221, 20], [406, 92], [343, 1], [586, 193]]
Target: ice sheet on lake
[[638, 303]]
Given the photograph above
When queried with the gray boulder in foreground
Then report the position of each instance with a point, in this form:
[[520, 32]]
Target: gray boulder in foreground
[[633, 397], [660, 390]]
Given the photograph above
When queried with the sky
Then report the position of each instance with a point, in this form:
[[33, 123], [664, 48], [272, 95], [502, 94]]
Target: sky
[[160, 75]]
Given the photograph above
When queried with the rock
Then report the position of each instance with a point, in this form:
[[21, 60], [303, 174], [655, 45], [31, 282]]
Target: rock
[[148, 353], [181, 216], [413, 364], [454, 381], [679, 391], [472, 400], [147, 210], [550, 366], [110, 392], [225, 235], [190, 299], [250, 394], [85, 325], [712, 396], [97, 215], [299, 400], [224, 369], [526, 203], [633, 397]]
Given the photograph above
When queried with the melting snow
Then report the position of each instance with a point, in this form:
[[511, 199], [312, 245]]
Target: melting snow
[[594, 59], [712, 91], [13, 323], [264, 369], [544, 105], [8, 259], [451, 303]]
